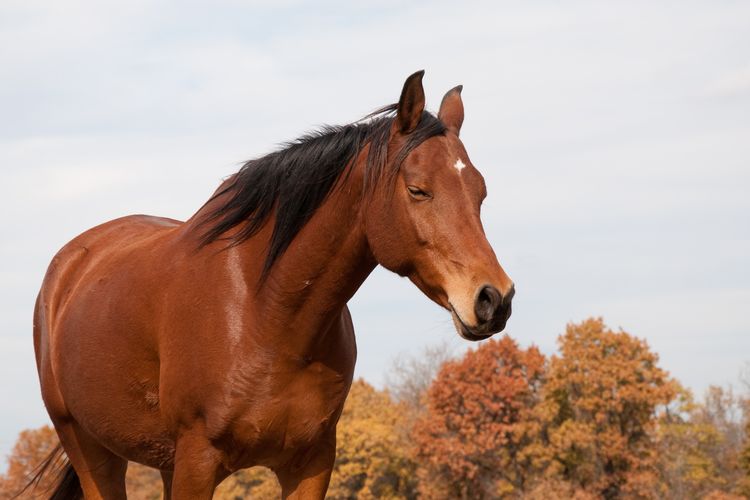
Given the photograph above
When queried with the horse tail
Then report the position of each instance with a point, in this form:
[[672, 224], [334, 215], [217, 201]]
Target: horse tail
[[61, 472], [69, 486]]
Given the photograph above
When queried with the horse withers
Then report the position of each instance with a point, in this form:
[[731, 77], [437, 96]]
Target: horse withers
[[203, 347]]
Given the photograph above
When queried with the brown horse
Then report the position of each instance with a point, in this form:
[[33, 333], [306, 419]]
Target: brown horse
[[223, 342]]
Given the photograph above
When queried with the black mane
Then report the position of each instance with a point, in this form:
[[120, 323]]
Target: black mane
[[296, 179]]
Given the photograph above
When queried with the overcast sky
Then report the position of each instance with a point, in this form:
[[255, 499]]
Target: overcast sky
[[614, 138]]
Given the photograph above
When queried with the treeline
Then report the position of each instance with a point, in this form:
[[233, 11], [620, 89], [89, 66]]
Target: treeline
[[600, 419]]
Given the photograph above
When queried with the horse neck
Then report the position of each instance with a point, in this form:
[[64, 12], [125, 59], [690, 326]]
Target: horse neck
[[326, 262], [310, 283]]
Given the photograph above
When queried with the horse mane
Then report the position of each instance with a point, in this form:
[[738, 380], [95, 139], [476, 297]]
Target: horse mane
[[296, 179]]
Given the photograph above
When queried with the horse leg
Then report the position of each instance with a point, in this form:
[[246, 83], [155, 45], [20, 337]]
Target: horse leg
[[166, 481], [101, 472], [197, 467], [308, 477]]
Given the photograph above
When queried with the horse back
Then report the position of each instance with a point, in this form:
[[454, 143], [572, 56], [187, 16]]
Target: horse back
[[86, 252]]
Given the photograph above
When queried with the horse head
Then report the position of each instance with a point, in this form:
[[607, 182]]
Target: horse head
[[425, 222]]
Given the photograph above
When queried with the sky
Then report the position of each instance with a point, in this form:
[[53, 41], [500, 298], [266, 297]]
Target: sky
[[614, 138]]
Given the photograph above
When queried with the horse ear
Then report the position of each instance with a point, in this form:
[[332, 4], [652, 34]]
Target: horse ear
[[452, 109], [411, 103]]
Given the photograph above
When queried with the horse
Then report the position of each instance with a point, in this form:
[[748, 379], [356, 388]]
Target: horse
[[223, 342]]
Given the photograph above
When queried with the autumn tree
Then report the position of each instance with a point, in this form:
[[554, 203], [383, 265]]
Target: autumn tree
[[700, 445], [600, 405], [143, 483], [685, 448], [258, 483], [31, 449], [726, 411], [372, 452], [743, 485], [478, 436]]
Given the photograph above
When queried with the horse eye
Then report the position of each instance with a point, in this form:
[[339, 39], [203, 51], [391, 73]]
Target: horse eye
[[417, 193]]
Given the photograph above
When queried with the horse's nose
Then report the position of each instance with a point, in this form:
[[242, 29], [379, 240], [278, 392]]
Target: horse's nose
[[493, 308]]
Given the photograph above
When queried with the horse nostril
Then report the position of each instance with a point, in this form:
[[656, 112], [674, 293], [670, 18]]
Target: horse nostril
[[488, 300]]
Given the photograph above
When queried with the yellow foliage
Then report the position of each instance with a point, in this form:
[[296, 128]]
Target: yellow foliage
[[372, 451], [31, 448], [143, 483], [258, 483], [601, 397]]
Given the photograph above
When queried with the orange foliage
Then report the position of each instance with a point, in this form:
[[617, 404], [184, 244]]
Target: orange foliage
[[30, 450], [478, 436]]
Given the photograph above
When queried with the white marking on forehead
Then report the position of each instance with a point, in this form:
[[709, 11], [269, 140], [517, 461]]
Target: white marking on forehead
[[459, 165]]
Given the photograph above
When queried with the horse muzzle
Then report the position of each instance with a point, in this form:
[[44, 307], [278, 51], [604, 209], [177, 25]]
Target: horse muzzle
[[492, 310]]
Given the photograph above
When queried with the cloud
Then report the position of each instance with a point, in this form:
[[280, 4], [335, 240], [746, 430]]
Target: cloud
[[613, 139], [732, 83]]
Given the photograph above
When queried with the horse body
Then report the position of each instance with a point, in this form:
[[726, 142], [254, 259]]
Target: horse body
[[198, 358], [213, 356]]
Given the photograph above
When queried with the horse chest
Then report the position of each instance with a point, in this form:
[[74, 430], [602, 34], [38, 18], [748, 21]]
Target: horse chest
[[301, 410]]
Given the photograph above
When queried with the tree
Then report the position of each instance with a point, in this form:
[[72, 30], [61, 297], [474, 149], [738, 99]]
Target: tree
[[744, 459], [257, 483], [372, 451], [410, 377], [600, 405], [31, 449], [727, 413], [685, 449], [700, 446], [478, 437], [143, 483]]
